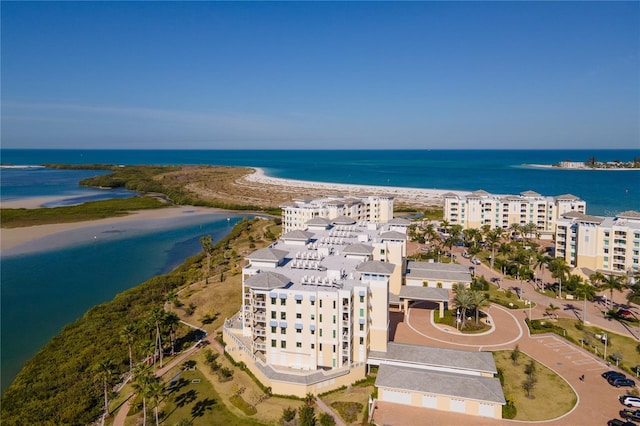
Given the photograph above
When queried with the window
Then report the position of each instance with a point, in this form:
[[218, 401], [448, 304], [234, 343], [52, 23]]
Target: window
[[273, 329], [283, 330], [313, 302], [298, 330], [320, 347], [334, 319], [298, 315], [273, 343], [273, 300], [283, 315], [361, 327], [313, 332], [334, 334], [361, 312], [313, 316], [362, 340], [283, 344], [321, 303], [298, 302], [334, 304], [334, 349], [273, 314], [361, 299], [283, 302], [313, 345], [320, 317]]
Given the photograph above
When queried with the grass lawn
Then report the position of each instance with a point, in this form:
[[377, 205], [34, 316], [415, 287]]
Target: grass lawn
[[194, 399], [506, 297], [552, 396]]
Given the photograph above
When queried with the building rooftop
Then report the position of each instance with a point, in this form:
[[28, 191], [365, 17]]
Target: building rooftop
[[441, 383], [437, 358], [423, 293]]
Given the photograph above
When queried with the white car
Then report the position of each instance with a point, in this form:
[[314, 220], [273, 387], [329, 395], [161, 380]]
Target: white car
[[630, 401]]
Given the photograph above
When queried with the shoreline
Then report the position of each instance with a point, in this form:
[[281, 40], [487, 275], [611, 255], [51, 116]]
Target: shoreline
[[32, 238], [429, 197]]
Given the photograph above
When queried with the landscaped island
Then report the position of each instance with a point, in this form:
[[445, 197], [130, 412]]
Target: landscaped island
[[592, 164]]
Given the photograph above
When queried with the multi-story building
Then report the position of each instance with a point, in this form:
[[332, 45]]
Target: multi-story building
[[608, 244], [315, 305], [480, 208], [367, 208]]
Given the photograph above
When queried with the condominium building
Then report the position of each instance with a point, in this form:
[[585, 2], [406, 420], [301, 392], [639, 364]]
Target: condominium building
[[315, 306], [608, 244], [480, 208], [366, 208]]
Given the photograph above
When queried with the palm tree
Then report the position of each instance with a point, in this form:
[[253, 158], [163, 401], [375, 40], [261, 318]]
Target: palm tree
[[156, 318], [479, 301], [171, 321], [612, 282], [154, 391], [515, 229], [530, 229], [171, 298], [128, 336], [559, 269], [551, 309], [105, 370], [542, 260], [463, 301], [586, 292], [634, 295], [142, 376], [207, 247], [492, 238]]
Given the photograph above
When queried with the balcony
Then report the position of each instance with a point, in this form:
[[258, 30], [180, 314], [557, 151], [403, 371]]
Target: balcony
[[259, 304], [260, 318], [259, 332], [259, 346]]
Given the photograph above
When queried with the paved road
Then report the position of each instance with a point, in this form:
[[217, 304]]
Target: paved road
[[597, 400]]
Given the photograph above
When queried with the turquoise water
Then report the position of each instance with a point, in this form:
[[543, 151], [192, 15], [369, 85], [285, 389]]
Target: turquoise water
[[497, 171], [43, 291]]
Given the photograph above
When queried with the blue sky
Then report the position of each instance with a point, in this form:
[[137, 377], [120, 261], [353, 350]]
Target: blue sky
[[218, 75]]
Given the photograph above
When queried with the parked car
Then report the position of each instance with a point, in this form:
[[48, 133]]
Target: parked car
[[618, 422], [630, 401], [618, 381], [630, 414], [475, 261], [611, 373]]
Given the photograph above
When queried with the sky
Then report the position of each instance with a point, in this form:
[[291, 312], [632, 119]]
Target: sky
[[320, 75]]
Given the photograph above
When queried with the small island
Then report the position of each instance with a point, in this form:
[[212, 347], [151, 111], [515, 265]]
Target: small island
[[593, 163]]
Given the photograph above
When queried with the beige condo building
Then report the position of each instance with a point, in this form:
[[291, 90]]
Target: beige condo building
[[296, 213], [315, 316], [606, 244], [480, 208]]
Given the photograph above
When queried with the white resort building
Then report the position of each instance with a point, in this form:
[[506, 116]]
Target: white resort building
[[298, 212], [315, 316], [480, 208]]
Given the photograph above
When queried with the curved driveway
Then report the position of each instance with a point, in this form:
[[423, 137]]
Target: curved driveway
[[597, 400]]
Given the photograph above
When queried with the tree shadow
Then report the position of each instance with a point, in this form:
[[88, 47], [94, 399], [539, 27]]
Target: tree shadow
[[186, 398], [201, 407], [177, 385]]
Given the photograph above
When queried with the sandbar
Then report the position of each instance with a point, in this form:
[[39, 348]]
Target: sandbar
[[12, 238], [428, 197]]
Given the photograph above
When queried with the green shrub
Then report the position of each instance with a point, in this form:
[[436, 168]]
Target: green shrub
[[348, 410], [509, 410], [243, 405]]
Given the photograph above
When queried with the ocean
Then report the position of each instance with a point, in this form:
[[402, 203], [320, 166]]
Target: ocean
[[496, 171], [42, 290]]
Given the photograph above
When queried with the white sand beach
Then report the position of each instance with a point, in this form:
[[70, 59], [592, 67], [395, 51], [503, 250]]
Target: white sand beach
[[428, 197], [14, 237]]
